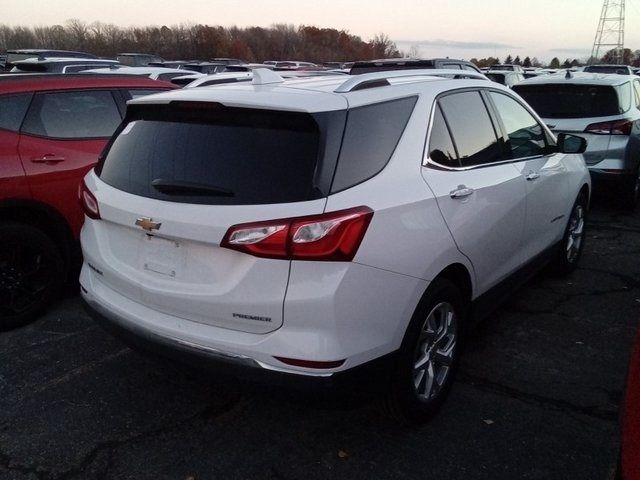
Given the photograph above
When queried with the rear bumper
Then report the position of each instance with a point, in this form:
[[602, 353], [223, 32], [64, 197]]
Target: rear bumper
[[365, 378]]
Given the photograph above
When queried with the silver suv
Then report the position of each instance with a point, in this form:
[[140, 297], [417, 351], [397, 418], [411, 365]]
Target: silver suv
[[604, 109]]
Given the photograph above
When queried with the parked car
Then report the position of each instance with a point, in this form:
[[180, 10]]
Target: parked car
[[304, 236], [168, 63], [24, 53], [614, 69], [138, 59], [59, 65], [228, 61], [52, 129], [205, 67], [295, 65], [507, 67], [411, 63], [506, 78], [603, 108], [154, 73]]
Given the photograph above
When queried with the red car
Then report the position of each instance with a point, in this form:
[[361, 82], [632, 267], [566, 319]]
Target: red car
[[630, 454], [52, 129]]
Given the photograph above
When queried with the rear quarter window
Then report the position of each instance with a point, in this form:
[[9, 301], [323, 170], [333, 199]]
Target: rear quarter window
[[12, 110], [370, 138]]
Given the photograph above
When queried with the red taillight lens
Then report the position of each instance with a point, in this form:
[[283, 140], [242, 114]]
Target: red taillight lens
[[617, 127], [333, 236], [88, 202]]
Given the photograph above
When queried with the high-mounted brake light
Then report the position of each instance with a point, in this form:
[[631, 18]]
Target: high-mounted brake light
[[88, 201], [333, 236], [616, 127]]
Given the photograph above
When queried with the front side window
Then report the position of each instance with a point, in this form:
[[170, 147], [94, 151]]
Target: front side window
[[78, 114], [526, 136], [12, 110], [471, 128]]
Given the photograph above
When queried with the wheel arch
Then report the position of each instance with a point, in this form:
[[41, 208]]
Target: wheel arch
[[45, 218]]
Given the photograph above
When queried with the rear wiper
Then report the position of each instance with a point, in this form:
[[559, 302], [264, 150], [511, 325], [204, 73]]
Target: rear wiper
[[177, 187]]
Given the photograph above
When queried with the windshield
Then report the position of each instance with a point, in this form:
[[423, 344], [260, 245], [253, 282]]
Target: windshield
[[576, 101]]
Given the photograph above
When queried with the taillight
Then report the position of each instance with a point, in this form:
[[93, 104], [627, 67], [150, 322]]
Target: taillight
[[88, 201], [333, 236], [617, 127]]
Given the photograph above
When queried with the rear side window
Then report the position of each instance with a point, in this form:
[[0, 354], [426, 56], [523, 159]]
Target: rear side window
[[441, 148], [136, 93], [370, 138], [497, 77], [471, 128], [12, 110], [67, 115], [526, 137], [575, 101], [209, 154]]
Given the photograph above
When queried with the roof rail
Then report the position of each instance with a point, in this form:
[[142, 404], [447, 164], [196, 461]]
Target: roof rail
[[374, 79]]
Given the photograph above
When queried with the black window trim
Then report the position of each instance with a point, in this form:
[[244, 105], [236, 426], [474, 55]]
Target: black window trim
[[427, 162], [67, 139]]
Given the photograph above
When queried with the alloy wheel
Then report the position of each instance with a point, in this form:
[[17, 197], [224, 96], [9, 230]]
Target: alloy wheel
[[575, 234]]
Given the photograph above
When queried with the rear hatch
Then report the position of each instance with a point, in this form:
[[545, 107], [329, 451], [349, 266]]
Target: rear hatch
[[580, 109], [173, 181]]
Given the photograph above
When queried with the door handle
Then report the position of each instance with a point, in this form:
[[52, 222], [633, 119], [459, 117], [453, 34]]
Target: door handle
[[49, 159], [532, 176], [461, 191]]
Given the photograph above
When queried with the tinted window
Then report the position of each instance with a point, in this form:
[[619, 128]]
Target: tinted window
[[471, 128], [455, 66], [526, 136], [572, 101], [251, 156], [370, 138], [441, 149], [12, 110], [496, 77], [81, 114], [636, 89]]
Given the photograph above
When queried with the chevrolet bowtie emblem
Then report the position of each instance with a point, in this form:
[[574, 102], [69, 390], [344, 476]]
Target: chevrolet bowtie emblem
[[148, 224]]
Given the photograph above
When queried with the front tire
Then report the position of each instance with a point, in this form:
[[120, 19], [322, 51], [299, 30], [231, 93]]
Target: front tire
[[31, 274], [429, 355], [572, 244]]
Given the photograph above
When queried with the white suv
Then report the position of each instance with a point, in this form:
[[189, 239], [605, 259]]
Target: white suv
[[318, 229]]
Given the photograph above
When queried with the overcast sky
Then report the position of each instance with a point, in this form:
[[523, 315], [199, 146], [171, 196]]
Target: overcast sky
[[457, 28]]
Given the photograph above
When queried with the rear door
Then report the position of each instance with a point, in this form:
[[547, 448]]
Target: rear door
[[177, 178], [481, 197], [61, 137]]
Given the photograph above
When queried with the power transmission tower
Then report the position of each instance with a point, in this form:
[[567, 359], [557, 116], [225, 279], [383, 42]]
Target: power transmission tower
[[610, 33]]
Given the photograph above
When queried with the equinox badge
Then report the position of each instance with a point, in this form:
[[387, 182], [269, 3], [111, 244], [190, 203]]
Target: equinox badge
[[148, 224]]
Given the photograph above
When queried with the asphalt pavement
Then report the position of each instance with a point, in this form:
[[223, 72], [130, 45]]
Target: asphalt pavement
[[537, 397]]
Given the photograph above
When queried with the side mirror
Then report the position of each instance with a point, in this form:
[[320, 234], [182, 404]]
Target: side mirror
[[571, 143]]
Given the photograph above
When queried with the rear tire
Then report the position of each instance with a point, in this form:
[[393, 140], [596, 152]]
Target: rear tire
[[428, 358], [572, 244], [32, 274]]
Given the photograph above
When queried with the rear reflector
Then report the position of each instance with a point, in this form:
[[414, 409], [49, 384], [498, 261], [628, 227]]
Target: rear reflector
[[310, 363], [333, 236], [88, 201], [617, 127]]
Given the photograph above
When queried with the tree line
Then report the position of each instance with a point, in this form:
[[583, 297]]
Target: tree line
[[197, 41], [528, 62]]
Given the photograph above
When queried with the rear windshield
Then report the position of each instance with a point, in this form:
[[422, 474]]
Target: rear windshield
[[496, 77], [576, 101], [621, 70], [210, 154]]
